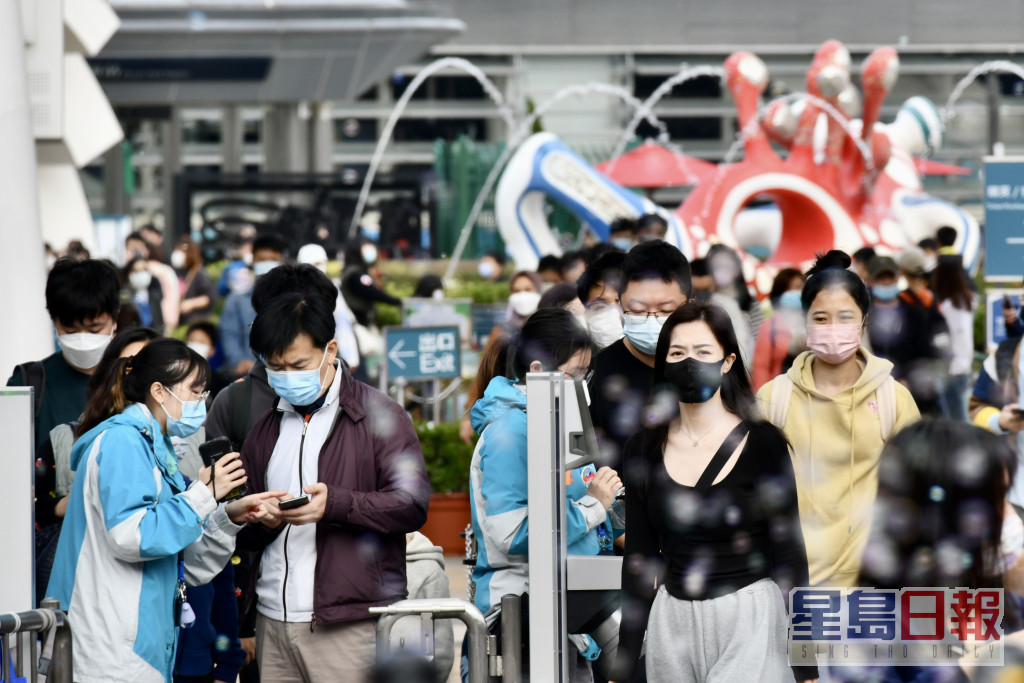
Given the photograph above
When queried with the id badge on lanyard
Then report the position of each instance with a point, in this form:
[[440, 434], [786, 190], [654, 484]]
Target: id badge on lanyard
[[183, 614]]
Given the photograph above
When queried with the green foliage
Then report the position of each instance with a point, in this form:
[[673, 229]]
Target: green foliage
[[446, 455]]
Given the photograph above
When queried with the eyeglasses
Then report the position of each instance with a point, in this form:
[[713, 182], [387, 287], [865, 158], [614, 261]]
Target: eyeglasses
[[202, 397], [660, 316]]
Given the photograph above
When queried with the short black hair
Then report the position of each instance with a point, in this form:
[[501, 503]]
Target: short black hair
[[571, 257], [287, 316], [607, 269], [497, 256], [77, 290], [302, 278], [550, 262], [656, 259], [623, 225], [864, 255], [270, 241], [594, 253], [699, 267], [831, 271], [558, 296], [649, 220], [946, 236], [929, 243], [206, 327]]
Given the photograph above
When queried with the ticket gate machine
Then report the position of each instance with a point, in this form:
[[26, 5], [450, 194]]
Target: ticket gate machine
[[560, 438]]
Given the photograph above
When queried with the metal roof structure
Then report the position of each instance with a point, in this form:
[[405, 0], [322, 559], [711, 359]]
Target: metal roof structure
[[262, 51]]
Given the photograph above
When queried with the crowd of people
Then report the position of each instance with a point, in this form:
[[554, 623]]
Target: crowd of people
[[746, 449]]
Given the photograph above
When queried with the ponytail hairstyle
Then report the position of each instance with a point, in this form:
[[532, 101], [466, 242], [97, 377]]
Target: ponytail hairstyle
[[164, 361], [551, 336], [831, 271]]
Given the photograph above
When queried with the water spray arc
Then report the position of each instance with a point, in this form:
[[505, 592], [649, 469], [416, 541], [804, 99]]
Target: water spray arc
[[396, 113]]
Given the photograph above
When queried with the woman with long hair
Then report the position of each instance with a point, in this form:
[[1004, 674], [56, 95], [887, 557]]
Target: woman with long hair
[[198, 292], [713, 540], [957, 304], [135, 530], [837, 405], [551, 340]]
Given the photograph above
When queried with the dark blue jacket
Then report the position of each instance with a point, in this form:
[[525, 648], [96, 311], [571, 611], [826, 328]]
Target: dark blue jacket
[[213, 640]]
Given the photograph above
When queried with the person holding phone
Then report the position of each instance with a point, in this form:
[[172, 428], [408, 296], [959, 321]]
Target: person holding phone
[[350, 463], [135, 532]]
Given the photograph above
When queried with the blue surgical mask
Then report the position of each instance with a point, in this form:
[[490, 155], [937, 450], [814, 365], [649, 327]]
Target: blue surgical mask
[[643, 333], [790, 300], [885, 292], [298, 387], [623, 243], [193, 415]]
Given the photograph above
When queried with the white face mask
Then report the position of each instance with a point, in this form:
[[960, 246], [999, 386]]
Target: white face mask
[[369, 254], [178, 259], [84, 350], [200, 348], [247, 258], [605, 326], [140, 279], [524, 303]]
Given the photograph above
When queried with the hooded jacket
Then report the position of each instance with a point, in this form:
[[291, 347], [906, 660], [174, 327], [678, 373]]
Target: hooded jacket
[[498, 498], [116, 567], [424, 565], [837, 442]]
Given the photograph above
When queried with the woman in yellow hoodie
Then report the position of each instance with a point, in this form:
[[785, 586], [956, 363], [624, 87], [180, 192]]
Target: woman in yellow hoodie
[[837, 405]]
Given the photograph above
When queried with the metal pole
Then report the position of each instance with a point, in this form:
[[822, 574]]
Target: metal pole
[[437, 401], [511, 638], [992, 81]]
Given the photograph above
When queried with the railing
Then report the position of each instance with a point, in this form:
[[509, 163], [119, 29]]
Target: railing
[[18, 634], [484, 660]]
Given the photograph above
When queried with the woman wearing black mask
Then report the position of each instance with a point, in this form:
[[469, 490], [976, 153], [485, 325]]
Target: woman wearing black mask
[[711, 519]]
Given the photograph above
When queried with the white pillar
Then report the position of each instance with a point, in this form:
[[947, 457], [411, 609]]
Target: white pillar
[[22, 266]]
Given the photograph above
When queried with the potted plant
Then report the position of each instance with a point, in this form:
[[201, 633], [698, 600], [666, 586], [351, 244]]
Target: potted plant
[[448, 459]]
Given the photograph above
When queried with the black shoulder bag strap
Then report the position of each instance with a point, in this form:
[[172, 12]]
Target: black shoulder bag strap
[[240, 411], [725, 451]]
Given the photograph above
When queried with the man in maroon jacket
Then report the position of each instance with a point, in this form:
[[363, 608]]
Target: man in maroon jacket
[[349, 457]]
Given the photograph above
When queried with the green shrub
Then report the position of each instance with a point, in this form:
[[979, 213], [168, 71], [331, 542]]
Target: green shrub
[[446, 455]]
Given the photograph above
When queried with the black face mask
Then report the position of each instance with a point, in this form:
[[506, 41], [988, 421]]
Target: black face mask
[[694, 380]]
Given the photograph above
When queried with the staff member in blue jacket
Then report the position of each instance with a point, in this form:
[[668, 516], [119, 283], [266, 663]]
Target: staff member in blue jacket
[[550, 340], [134, 532]]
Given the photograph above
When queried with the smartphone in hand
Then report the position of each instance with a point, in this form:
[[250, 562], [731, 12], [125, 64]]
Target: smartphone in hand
[[293, 503], [212, 451]]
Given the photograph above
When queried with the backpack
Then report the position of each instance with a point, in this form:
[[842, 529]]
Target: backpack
[[34, 375], [885, 395]]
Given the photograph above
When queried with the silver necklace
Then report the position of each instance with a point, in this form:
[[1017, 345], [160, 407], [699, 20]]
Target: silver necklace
[[696, 442]]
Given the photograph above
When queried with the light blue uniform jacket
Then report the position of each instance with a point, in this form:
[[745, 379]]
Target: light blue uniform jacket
[[116, 567], [499, 496]]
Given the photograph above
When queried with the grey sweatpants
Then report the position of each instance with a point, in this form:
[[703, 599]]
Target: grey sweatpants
[[740, 637]]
